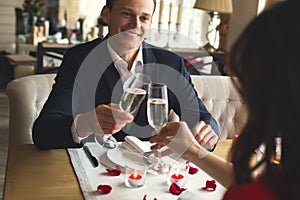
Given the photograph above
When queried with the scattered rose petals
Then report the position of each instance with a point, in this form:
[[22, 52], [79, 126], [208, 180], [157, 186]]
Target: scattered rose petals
[[113, 172], [145, 197], [193, 170], [175, 189], [210, 185], [105, 189]]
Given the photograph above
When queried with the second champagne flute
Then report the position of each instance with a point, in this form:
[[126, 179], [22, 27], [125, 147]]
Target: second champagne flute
[[157, 113]]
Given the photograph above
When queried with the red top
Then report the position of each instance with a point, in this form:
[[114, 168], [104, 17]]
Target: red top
[[257, 190]]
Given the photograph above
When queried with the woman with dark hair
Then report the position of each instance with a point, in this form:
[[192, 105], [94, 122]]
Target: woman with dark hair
[[265, 62]]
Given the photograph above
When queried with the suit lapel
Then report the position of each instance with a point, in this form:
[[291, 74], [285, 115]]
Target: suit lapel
[[150, 61], [115, 87], [109, 87]]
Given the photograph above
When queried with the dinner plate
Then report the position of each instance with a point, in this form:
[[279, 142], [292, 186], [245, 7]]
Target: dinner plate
[[121, 157], [104, 160]]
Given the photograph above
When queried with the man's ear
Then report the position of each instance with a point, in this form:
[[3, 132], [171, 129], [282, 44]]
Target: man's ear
[[105, 14]]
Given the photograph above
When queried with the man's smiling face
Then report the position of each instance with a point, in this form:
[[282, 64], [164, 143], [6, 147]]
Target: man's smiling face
[[128, 21]]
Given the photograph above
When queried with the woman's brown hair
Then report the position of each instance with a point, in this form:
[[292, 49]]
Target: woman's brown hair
[[265, 58]]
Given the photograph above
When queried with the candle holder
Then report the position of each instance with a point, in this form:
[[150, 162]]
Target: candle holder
[[176, 35], [177, 28], [159, 27], [135, 174], [168, 36], [178, 174]]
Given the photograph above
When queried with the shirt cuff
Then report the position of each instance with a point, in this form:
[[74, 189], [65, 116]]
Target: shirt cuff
[[75, 135]]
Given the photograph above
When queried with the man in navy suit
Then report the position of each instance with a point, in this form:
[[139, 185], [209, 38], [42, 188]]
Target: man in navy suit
[[89, 84]]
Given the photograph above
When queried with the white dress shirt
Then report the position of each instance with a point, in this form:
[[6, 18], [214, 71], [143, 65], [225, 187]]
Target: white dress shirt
[[122, 67]]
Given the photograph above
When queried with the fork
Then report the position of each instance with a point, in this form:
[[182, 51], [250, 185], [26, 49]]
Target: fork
[[148, 153]]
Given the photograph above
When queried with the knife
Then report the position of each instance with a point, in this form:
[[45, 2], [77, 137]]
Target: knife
[[90, 156]]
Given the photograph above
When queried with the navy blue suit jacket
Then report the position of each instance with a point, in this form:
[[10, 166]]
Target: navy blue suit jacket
[[87, 78]]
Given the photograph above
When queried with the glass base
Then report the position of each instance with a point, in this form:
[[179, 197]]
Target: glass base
[[107, 141], [158, 168]]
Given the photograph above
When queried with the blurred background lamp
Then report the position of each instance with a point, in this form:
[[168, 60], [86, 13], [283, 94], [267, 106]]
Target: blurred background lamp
[[214, 9]]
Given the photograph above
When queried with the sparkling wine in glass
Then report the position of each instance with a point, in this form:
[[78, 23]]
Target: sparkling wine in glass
[[133, 96], [134, 92], [132, 99], [157, 113]]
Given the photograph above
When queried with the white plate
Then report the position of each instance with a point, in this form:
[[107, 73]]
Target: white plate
[[122, 157]]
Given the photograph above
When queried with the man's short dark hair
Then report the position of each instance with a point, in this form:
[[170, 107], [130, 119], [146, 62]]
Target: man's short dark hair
[[109, 4]]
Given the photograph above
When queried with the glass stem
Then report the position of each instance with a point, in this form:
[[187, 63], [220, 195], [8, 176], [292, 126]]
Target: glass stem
[[159, 161]]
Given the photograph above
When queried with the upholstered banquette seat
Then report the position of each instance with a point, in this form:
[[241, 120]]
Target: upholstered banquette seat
[[223, 101], [27, 96]]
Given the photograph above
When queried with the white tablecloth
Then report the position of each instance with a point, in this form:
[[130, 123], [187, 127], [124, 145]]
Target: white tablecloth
[[155, 186]]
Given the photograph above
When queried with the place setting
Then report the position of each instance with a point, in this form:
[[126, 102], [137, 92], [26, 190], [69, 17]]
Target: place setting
[[107, 168], [125, 170], [133, 150]]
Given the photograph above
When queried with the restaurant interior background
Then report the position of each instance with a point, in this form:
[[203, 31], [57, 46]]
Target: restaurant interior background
[[176, 24], [193, 22], [193, 26]]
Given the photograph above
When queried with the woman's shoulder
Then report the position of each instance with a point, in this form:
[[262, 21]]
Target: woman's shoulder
[[257, 190]]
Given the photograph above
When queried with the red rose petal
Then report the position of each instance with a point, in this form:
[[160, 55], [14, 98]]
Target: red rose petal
[[193, 170], [175, 189], [105, 189], [145, 197], [210, 185], [113, 172]]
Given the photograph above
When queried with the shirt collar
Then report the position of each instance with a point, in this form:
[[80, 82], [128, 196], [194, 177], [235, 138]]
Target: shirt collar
[[117, 59], [122, 66]]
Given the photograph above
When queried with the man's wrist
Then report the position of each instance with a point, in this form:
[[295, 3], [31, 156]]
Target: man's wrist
[[75, 134]]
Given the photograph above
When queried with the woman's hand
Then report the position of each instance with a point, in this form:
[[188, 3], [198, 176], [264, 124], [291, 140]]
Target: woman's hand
[[178, 138]]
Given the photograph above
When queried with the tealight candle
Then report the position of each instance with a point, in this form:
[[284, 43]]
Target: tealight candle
[[235, 137], [135, 174], [135, 180], [177, 177], [178, 174]]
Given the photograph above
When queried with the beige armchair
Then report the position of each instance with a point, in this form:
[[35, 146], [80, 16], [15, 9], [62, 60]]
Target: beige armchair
[[27, 96]]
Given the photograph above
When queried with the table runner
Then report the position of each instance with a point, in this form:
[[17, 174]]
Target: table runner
[[155, 187]]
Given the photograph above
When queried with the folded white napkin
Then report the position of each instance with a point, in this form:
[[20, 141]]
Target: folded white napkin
[[173, 117], [132, 143]]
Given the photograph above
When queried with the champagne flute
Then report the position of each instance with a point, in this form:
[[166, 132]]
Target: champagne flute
[[133, 96], [157, 113], [134, 93]]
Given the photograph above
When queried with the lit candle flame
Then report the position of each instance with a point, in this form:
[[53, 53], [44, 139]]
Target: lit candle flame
[[135, 174]]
